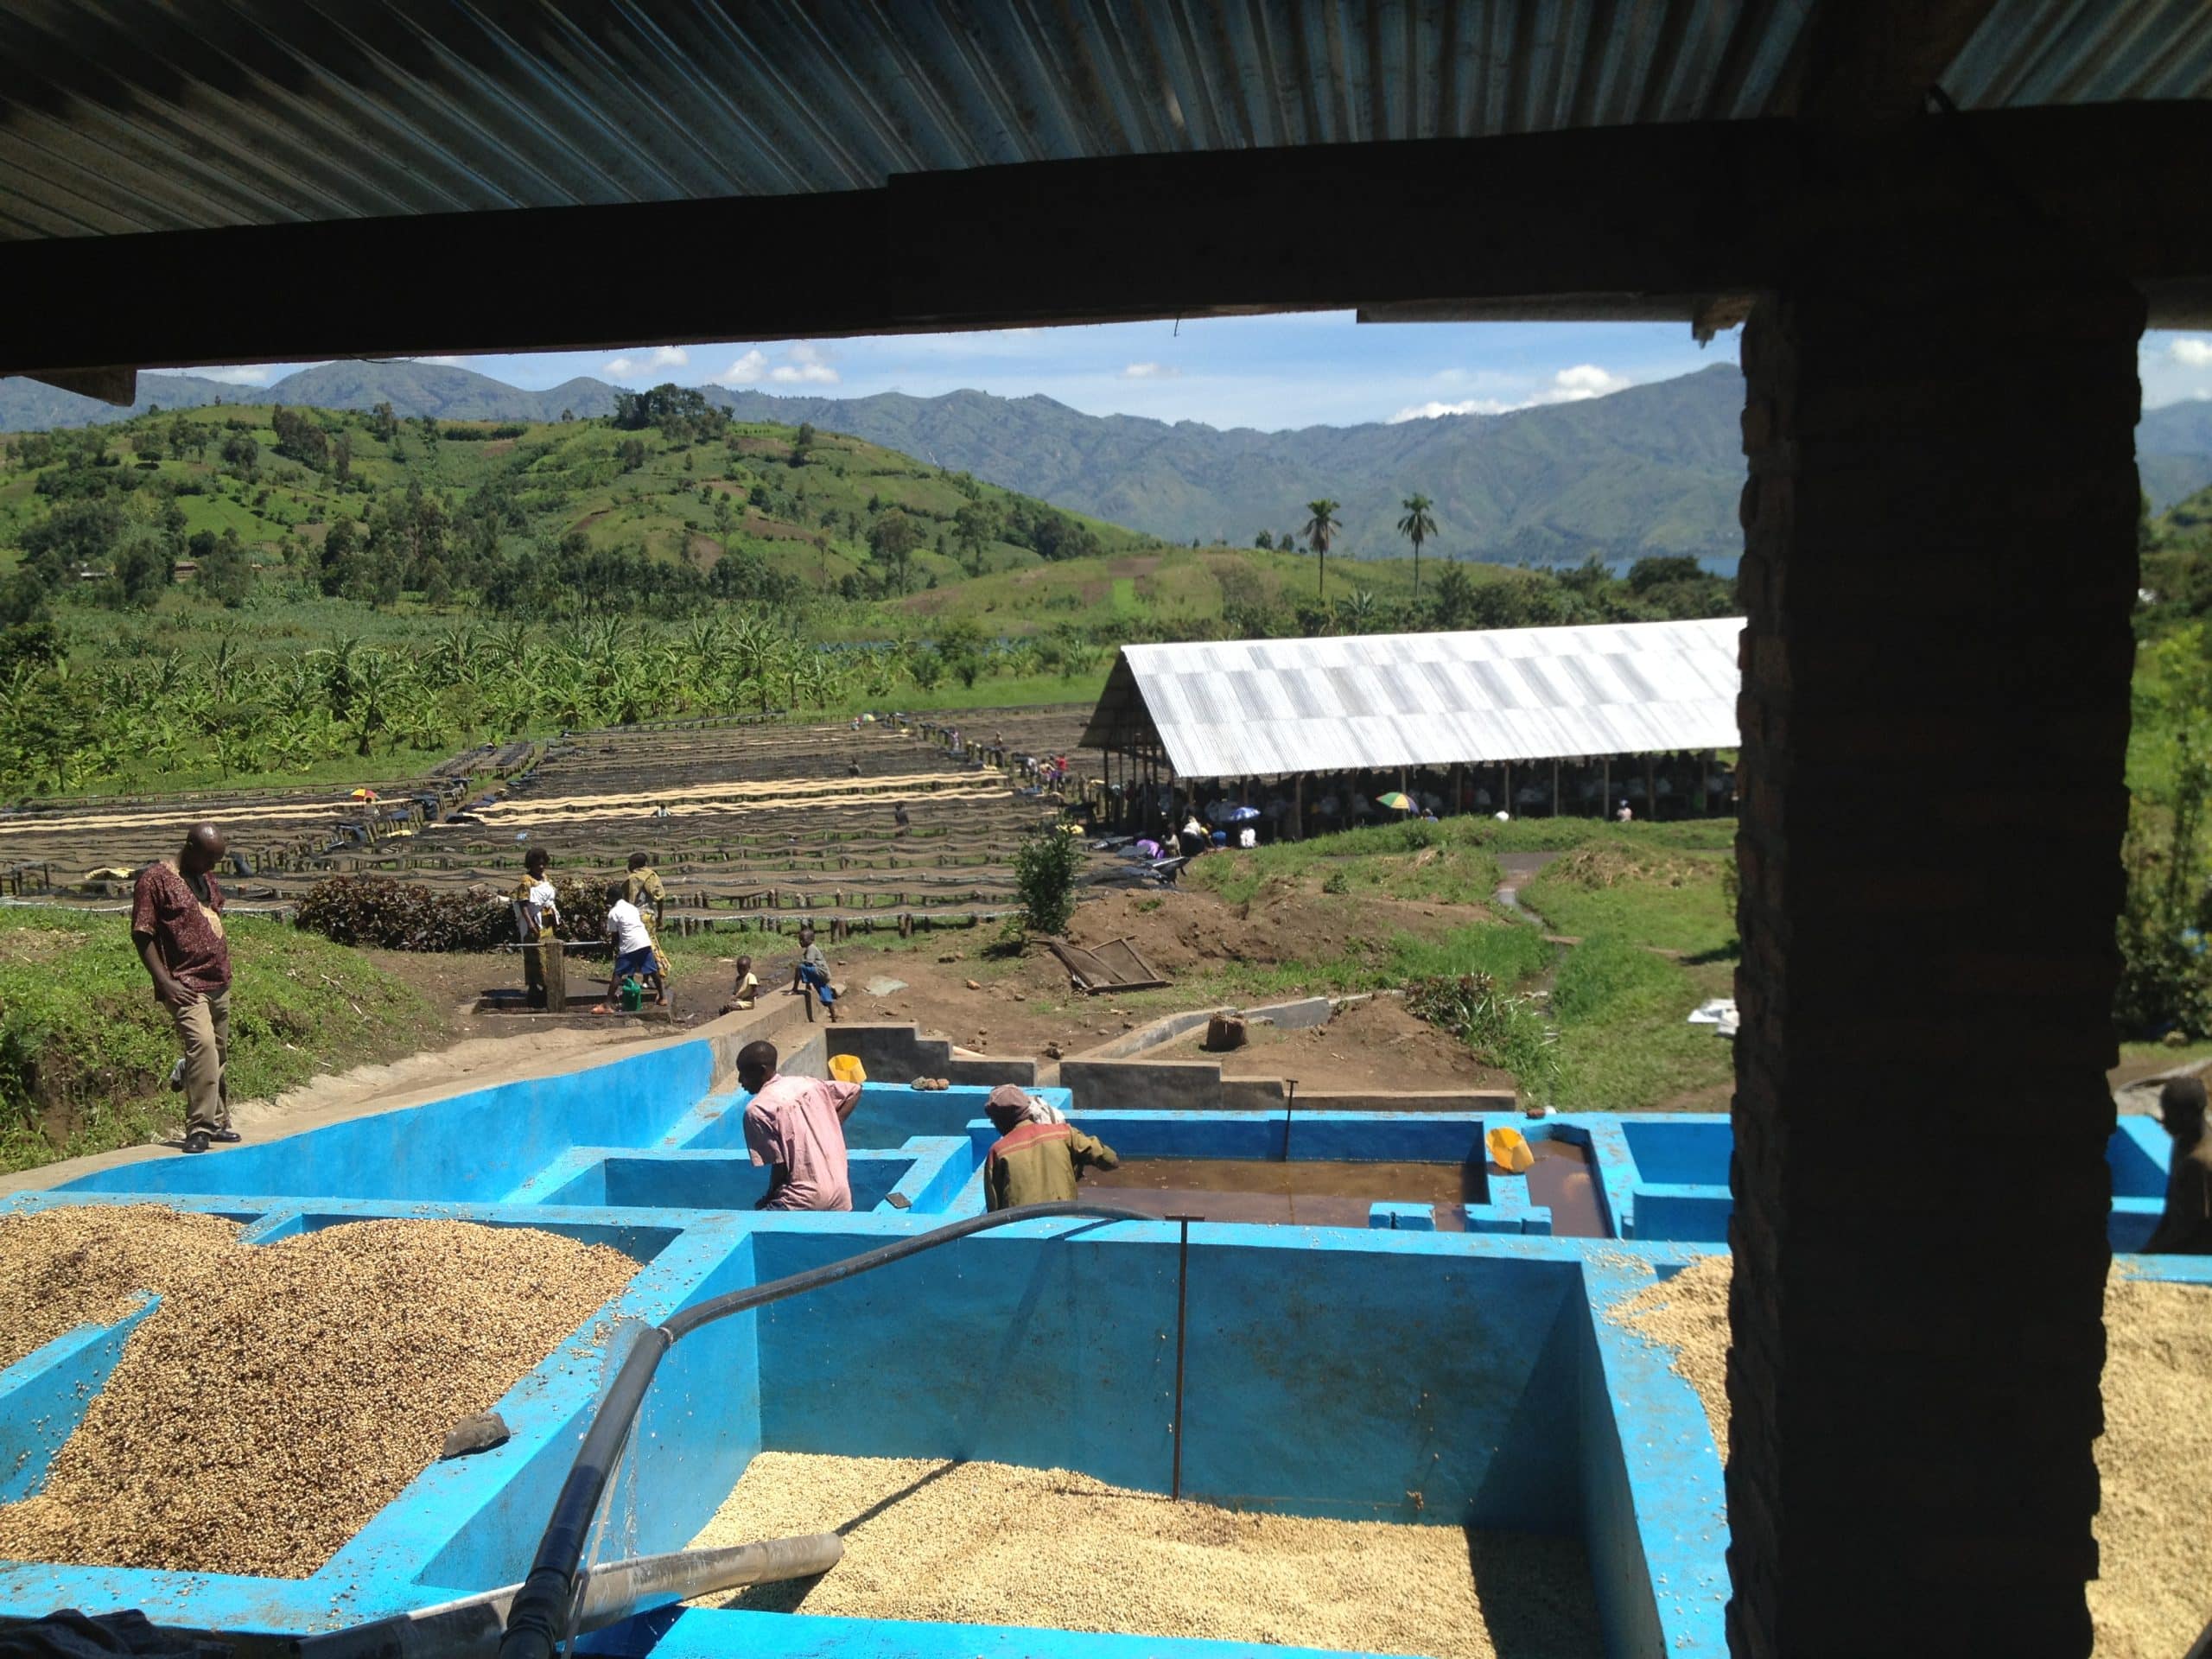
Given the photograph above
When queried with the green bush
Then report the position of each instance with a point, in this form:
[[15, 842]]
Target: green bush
[[402, 916], [1045, 866], [1504, 1030]]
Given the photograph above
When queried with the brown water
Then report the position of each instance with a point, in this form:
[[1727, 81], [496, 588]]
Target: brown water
[[1301, 1194], [1562, 1178]]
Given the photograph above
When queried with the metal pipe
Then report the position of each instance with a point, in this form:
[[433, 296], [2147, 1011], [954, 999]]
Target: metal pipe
[[470, 1628], [537, 1618]]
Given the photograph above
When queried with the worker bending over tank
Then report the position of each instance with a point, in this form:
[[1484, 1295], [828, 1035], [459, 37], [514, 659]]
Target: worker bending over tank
[[796, 1126], [2185, 1228], [1034, 1162]]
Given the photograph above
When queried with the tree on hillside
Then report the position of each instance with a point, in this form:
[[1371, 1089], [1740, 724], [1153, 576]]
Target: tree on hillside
[[339, 543], [141, 565], [974, 527], [892, 538], [241, 452], [225, 570], [384, 425], [682, 413], [802, 445], [1417, 526], [1265, 539], [1321, 527]]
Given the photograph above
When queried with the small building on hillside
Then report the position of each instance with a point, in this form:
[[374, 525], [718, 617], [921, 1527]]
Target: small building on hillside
[[1534, 721]]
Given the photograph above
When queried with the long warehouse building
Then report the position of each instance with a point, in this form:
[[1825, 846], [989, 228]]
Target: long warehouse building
[[1554, 703]]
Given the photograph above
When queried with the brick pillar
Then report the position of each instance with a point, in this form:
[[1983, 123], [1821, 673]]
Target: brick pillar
[[1939, 572]]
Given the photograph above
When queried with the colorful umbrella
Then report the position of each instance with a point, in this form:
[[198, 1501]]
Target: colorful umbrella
[[1396, 802]]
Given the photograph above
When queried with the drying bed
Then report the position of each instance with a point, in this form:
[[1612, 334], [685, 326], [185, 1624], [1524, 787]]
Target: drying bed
[[1392, 1372]]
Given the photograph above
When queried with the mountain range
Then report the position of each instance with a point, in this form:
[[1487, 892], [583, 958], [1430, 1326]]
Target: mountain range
[[1656, 468]]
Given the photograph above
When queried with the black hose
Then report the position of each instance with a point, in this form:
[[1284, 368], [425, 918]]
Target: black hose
[[538, 1620]]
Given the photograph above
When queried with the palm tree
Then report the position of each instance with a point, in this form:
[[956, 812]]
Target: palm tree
[[1318, 529], [1417, 526]]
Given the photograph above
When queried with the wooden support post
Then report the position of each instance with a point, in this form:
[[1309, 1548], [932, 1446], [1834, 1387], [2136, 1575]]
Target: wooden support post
[[1650, 790], [1554, 789], [1508, 802], [1605, 787]]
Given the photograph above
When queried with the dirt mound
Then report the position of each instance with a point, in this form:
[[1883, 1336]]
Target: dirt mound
[[1179, 929]]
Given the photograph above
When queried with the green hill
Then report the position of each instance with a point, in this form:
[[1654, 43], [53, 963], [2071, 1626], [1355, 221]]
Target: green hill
[[436, 507], [1653, 469], [267, 593]]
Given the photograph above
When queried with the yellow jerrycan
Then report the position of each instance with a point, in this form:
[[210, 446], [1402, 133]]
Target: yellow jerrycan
[[1509, 1150]]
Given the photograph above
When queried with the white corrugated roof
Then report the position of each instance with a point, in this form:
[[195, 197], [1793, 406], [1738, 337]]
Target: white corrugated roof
[[1266, 708]]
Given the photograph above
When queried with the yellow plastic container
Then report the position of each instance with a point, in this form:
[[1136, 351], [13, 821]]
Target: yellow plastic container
[[1509, 1150], [845, 1068]]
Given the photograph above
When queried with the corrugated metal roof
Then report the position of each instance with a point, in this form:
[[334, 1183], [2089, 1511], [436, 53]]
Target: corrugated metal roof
[[1268, 708], [133, 115]]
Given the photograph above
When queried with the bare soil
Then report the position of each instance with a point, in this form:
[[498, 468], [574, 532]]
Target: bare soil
[[1372, 1044], [1025, 1004]]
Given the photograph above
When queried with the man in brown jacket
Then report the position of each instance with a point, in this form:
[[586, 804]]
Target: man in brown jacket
[[176, 922], [1036, 1163]]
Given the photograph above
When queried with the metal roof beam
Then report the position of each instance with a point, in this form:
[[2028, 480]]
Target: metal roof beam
[[1608, 223]]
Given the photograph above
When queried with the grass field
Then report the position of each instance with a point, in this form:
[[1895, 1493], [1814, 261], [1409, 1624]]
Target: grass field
[[85, 1050]]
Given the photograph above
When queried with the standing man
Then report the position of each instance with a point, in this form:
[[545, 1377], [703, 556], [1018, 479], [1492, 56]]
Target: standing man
[[796, 1126], [176, 922]]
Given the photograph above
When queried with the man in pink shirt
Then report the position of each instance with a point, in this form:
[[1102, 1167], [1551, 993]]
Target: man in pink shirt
[[796, 1126]]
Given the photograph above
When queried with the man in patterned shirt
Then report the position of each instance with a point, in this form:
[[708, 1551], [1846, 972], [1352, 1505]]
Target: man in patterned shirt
[[176, 922]]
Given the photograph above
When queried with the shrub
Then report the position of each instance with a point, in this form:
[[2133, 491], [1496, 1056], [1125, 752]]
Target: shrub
[[403, 916], [1504, 1030], [1045, 866]]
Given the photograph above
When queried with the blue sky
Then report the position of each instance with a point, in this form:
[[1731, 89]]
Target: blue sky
[[1271, 372]]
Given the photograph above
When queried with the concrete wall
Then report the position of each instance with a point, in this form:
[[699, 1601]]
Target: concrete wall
[[473, 1148], [896, 1053], [1336, 1382]]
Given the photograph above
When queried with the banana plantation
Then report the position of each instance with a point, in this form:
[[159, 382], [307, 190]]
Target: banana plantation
[[128, 722]]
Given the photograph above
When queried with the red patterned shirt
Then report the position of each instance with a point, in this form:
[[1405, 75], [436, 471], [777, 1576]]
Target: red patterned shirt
[[188, 933]]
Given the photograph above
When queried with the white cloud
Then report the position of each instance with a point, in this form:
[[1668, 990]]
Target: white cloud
[[805, 365], [445, 362], [802, 366], [2191, 352], [1432, 408], [746, 370], [1574, 385], [1587, 380], [241, 377], [1150, 372], [661, 357]]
